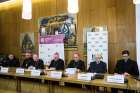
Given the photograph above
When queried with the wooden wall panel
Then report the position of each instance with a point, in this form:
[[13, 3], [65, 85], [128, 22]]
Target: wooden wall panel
[[126, 26], [118, 15]]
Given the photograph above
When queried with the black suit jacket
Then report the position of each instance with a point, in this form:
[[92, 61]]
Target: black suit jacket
[[130, 67], [27, 62], [39, 64], [97, 68], [58, 65], [79, 65], [11, 63]]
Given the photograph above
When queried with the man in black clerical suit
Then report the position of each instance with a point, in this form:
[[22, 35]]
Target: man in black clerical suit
[[10, 61], [37, 63], [27, 61], [56, 63], [127, 67], [97, 66], [77, 63]]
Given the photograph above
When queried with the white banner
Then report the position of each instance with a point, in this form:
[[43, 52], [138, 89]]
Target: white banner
[[97, 42], [49, 45]]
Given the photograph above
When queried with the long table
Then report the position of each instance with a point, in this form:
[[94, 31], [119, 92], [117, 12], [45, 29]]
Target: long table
[[55, 85]]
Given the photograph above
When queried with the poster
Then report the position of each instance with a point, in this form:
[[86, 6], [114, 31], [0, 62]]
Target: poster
[[97, 42], [60, 24], [50, 44]]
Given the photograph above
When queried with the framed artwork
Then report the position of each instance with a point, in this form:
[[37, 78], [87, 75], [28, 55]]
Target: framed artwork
[[60, 24], [27, 42]]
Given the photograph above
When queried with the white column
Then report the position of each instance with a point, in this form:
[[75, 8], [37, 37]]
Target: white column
[[138, 34]]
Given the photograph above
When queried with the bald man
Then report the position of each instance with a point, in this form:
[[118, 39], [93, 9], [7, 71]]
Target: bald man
[[97, 66], [56, 63]]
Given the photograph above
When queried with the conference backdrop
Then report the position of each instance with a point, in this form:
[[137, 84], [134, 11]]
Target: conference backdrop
[[97, 42], [50, 44]]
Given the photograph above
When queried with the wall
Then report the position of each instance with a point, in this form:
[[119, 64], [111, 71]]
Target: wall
[[118, 15]]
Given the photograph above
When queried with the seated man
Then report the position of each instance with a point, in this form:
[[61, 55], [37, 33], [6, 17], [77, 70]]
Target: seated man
[[77, 63], [28, 60], [56, 63], [11, 61], [37, 63], [97, 66], [127, 67]]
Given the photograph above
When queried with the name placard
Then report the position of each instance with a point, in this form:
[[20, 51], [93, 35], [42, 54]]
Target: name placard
[[19, 71], [115, 79], [4, 70], [56, 74], [35, 72], [71, 71], [84, 76]]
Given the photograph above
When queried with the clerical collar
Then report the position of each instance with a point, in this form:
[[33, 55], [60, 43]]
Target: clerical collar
[[97, 62]]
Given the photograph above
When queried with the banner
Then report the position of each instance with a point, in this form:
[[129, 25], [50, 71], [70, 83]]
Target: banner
[[48, 45], [97, 42]]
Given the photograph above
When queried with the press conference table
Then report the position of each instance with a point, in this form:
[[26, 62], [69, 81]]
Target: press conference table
[[55, 85]]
